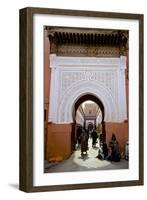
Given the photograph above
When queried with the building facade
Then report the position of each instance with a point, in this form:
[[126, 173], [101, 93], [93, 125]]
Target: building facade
[[79, 65]]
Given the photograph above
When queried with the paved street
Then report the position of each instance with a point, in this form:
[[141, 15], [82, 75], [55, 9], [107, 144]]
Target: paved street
[[86, 163]]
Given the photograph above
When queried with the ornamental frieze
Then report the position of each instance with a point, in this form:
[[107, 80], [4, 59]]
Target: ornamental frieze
[[82, 50]]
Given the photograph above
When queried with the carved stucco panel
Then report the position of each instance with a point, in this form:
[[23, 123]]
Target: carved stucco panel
[[101, 77]]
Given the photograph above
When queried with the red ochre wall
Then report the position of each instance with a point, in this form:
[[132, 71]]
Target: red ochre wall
[[59, 142], [121, 132], [47, 75], [58, 138]]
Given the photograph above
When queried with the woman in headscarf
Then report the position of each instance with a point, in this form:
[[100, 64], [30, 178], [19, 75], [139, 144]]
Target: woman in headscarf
[[115, 148]]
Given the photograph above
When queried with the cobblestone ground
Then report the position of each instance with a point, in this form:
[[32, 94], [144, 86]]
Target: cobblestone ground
[[86, 163]]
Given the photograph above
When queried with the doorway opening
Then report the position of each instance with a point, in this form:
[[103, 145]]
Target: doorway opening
[[88, 113]]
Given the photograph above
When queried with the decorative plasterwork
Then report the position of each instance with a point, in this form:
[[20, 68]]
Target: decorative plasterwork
[[87, 42], [59, 61], [85, 50], [73, 77]]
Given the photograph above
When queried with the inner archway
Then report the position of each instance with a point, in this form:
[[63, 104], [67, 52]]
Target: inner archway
[[88, 97]]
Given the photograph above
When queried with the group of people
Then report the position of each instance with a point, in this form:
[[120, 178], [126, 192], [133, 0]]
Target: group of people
[[110, 153], [105, 152], [83, 136]]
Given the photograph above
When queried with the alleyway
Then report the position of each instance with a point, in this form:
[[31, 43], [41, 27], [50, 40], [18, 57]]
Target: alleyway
[[86, 163]]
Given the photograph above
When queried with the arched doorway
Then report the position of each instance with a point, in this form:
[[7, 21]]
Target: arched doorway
[[87, 97], [79, 101]]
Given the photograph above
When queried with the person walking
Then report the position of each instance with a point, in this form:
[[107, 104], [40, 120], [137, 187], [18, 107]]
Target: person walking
[[84, 143], [79, 135]]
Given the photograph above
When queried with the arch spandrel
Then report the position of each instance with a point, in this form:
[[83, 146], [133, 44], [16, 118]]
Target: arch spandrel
[[81, 89]]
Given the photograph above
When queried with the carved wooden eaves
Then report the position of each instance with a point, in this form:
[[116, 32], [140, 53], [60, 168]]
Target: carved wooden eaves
[[88, 42]]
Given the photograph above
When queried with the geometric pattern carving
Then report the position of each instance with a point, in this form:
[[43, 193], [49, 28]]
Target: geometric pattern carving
[[72, 77], [107, 78], [94, 51]]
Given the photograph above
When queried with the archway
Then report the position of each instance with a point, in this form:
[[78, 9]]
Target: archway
[[77, 104], [87, 97], [99, 94]]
